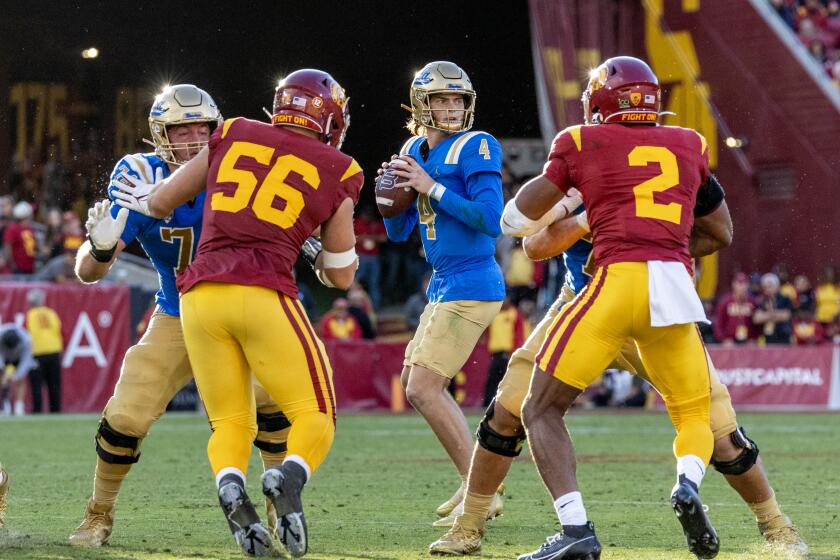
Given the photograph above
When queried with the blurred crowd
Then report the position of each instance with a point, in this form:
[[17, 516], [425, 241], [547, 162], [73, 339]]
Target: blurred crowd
[[817, 24]]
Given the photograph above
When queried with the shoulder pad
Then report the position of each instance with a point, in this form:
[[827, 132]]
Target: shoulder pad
[[408, 145]]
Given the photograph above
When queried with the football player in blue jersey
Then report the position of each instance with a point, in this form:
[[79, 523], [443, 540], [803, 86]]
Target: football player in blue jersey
[[155, 369], [500, 435], [457, 175]]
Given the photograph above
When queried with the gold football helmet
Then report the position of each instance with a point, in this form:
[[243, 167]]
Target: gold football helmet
[[440, 77], [180, 104]]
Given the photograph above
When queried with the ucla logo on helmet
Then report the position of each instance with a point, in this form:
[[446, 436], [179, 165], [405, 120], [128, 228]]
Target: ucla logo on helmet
[[423, 79]]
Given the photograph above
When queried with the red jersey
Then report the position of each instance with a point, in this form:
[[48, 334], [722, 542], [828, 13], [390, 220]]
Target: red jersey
[[639, 186], [268, 188], [21, 239]]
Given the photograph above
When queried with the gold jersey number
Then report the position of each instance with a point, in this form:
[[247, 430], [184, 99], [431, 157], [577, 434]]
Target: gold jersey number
[[669, 176], [185, 237], [427, 215], [273, 186]]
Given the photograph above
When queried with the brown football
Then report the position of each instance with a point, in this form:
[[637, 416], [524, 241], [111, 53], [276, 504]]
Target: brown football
[[392, 199]]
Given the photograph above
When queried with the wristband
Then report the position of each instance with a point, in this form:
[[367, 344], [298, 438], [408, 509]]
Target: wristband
[[437, 191], [582, 221], [101, 255], [310, 250]]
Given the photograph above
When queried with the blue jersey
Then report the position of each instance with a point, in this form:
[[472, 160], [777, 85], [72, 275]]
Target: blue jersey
[[578, 261], [459, 231], [170, 243]]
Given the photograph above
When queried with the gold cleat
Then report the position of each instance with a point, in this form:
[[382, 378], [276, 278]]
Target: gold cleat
[[446, 507], [497, 507], [4, 491], [458, 541], [96, 527], [780, 533]]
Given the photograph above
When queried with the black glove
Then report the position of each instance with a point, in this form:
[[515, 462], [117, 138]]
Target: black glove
[[311, 249]]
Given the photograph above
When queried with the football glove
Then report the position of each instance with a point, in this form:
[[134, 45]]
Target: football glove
[[132, 193], [104, 230]]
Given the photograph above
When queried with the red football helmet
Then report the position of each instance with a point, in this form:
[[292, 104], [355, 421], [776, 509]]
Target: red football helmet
[[623, 90], [312, 99]]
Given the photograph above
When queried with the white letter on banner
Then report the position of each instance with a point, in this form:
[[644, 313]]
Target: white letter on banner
[[84, 329]]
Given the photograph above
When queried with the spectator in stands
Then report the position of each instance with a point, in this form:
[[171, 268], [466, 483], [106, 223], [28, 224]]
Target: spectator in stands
[[527, 309], [827, 297], [370, 235], [786, 287], [755, 285], [339, 324], [416, 304], [44, 327], [520, 274], [60, 269], [505, 334], [361, 308], [786, 10], [733, 314], [806, 329], [16, 362], [19, 239], [773, 312], [804, 293]]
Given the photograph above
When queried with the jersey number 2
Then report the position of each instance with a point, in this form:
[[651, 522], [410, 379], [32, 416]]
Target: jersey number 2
[[273, 186], [669, 176]]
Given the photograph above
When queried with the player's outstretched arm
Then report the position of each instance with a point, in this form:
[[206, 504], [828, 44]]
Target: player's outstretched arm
[[711, 232], [336, 265], [537, 204], [159, 199], [556, 238]]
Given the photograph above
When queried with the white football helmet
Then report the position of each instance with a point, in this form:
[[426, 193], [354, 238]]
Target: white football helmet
[[180, 104]]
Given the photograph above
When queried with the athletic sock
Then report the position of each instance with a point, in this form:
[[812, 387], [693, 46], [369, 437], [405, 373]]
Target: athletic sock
[[766, 510], [570, 510], [476, 507], [691, 469], [107, 481]]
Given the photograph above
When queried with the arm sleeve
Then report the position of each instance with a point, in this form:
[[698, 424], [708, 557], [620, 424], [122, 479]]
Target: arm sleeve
[[482, 210], [556, 168], [136, 222], [399, 228], [709, 197]]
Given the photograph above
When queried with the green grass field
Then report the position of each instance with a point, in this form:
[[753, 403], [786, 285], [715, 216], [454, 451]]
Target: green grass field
[[375, 496]]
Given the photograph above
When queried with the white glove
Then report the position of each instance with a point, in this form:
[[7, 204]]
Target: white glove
[[104, 231], [134, 194]]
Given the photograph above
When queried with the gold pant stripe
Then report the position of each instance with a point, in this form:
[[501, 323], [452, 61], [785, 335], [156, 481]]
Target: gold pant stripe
[[323, 368], [310, 361], [569, 310]]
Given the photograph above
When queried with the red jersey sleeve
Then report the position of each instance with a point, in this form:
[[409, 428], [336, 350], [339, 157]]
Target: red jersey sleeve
[[350, 184], [557, 168]]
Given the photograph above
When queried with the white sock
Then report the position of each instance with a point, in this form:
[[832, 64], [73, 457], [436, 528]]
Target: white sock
[[20, 408], [692, 467], [570, 510], [300, 461], [2, 477], [230, 470]]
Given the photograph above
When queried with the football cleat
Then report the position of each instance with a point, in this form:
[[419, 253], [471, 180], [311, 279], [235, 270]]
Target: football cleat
[[577, 542], [458, 541], [4, 491], [248, 531], [283, 485], [446, 507], [780, 533], [96, 528], [497, 507], [701, 536]]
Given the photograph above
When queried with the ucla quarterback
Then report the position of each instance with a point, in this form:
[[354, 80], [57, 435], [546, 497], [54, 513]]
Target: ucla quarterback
[[457, 175], [181, 120]]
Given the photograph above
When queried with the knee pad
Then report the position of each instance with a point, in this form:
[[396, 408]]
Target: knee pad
[[745, 460], [271, 422], [493, 441], [115, 439]]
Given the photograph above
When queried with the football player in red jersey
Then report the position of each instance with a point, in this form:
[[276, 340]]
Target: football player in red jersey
[[639, 183], [269, 186]]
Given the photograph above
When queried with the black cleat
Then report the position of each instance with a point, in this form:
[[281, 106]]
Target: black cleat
[[702, 538], [248, 531], [576, 542], [283, 486]]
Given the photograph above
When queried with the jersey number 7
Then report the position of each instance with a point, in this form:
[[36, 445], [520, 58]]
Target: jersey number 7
[[273, 186]]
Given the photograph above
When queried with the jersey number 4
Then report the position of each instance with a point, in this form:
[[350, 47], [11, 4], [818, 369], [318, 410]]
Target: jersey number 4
[[273, 186], [669, 176]]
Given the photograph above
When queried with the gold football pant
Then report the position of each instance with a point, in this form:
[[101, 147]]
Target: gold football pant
[[231, 330], [588, 333], [514, 386]]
